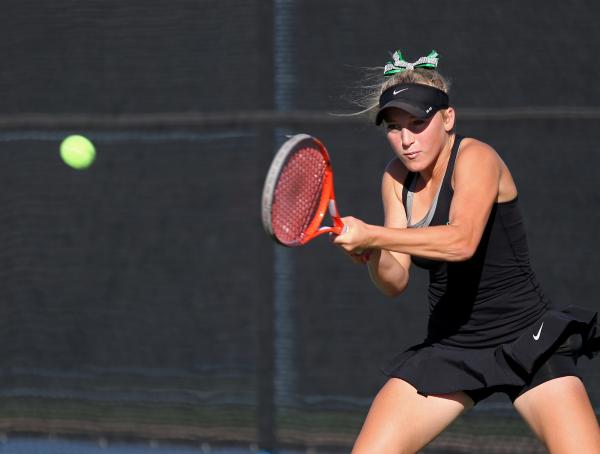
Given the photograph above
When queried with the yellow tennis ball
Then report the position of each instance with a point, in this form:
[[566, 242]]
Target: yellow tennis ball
[[77, 152]]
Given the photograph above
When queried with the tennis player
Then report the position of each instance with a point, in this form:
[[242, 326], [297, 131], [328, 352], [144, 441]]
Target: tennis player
[[451, 207]]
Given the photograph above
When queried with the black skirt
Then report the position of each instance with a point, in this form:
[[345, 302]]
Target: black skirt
[[433, 368]]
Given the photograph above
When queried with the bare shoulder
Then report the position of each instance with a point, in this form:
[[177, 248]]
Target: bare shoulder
[[393, 179], [476, 158], [478, 163], [479, 157], [396, 169], [392, 186], [473, 149], [395, 172]]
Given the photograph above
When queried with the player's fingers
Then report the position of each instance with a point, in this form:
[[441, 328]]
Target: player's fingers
[[345, 229], [335, 238], [342, 231], [345, 249]]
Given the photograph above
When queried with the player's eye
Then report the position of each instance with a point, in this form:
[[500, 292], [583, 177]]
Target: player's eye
[[418, 125]]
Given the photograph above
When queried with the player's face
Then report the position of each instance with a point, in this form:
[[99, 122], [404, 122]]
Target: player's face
[[416, 142]]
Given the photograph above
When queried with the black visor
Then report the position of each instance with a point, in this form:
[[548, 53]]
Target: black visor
[[421, 101]]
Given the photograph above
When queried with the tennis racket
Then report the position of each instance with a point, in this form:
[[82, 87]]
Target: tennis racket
[[298, 191]]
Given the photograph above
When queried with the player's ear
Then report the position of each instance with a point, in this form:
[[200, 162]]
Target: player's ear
[[448, 118]]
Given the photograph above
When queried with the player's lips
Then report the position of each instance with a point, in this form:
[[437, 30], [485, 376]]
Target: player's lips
[[411, 155]]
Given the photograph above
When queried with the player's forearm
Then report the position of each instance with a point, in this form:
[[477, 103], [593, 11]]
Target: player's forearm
[[444, 242], [389, 276]]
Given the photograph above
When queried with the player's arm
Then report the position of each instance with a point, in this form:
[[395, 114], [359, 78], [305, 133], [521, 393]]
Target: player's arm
[[476, 182], [389, 270]]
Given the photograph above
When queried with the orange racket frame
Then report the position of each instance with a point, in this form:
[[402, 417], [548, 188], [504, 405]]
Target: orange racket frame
[[327, 203]]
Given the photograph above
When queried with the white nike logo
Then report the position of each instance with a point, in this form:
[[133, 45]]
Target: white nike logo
[[399, 91], [537, 336]]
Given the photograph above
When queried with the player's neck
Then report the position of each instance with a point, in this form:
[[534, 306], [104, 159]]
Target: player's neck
[[438, 168]]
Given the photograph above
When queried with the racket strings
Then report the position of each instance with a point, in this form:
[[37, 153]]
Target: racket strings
[[297, 194]]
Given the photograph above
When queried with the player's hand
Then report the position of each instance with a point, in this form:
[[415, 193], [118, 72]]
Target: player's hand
[[360, 257], [353, 239]]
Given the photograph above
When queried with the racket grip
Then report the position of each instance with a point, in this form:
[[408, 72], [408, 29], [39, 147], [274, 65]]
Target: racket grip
[[340, 229], [338, 226]]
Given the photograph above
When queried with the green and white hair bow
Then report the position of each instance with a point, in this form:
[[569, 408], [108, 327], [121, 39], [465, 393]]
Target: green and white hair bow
[[399, 64]]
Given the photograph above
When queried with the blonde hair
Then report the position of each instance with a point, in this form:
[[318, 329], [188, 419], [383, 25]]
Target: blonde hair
[[375, 84], [416, 76]]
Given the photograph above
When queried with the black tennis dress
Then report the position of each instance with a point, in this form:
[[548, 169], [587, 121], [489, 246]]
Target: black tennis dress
[[490, 326]]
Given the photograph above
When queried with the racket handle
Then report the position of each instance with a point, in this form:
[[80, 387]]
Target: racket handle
[[336, 230], [338, 225], [339, 229]]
